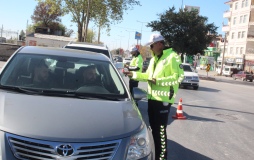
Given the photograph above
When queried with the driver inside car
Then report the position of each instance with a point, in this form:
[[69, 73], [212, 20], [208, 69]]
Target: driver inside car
[[91, 76]]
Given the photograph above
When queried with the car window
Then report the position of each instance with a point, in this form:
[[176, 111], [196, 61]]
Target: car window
[[187, 68], [63, 73], [105, 52]]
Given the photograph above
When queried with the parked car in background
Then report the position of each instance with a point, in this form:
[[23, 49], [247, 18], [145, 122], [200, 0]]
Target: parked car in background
[[146, 64], [118, 58], [243, 75], [229, 71], [126, 61], [68, 117], [191, 78], [97, 48]]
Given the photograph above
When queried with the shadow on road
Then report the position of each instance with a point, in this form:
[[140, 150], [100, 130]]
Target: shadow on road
[[188, 117], [216, 108], [175, 150], [179, 152], [206, 89]]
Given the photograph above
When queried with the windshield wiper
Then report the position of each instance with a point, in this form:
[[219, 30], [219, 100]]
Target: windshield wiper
[[61, 93], [97, 96], [19, 89]]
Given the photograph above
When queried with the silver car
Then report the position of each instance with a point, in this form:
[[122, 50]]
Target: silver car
[[63, 118]]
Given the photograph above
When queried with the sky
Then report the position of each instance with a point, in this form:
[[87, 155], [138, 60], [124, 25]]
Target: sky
[[16, 14]]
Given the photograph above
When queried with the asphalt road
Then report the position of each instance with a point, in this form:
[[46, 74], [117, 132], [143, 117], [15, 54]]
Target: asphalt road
[[219, 122]]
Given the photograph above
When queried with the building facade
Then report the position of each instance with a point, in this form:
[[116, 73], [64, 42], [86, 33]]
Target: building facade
[[239, 31], [37, 39]]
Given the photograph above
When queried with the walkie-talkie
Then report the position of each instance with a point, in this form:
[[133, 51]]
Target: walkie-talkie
[[171, 92]]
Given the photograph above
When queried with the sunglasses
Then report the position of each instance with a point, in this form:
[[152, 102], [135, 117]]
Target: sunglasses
[[151, 46]]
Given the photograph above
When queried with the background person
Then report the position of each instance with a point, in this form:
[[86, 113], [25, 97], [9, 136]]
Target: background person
[[164, 74], [136, 64], [41, 74]]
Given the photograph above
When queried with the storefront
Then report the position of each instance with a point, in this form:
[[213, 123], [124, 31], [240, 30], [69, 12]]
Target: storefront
[[249, 65], [239, 63]]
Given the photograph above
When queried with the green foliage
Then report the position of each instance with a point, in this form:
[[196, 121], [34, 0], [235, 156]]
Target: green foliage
[[185, 31], [102, 12]]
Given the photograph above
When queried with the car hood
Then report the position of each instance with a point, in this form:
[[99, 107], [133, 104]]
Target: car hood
[[190, 74], [67, 119]]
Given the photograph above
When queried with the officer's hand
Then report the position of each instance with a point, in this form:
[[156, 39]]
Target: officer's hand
[[153, 81], [129, 74]]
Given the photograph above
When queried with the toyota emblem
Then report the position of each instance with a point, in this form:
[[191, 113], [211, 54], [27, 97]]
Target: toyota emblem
[[65, 150]]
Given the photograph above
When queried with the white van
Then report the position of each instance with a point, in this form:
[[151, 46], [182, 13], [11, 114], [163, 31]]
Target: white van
[[228, 70]]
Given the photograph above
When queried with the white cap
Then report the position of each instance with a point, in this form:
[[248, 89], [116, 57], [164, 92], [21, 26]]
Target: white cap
[[134, 48], [155, 38]]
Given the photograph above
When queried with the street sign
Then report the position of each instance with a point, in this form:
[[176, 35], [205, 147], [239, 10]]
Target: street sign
[[208, 67], [138, 36]]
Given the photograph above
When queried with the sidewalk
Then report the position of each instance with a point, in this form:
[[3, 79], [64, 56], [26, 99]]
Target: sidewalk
[[211, 75]]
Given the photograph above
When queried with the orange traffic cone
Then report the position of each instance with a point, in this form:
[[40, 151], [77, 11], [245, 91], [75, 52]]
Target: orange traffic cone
[[179, 111]]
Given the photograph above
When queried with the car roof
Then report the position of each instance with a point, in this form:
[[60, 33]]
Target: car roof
[[63, 52], [88, 45], [186, 64]]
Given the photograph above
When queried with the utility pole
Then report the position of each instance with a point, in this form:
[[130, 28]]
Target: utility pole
[[141, 30], [222, 61], [129, 38], [2, 31]]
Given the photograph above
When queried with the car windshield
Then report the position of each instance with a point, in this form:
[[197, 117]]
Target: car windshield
[[188, 68], [61, 74]]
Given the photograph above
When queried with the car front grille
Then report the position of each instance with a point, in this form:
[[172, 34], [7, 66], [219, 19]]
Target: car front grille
[[32, 149]]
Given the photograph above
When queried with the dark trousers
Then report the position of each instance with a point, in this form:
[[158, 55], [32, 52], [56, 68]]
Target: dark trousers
[[132, 84], [158, 119]]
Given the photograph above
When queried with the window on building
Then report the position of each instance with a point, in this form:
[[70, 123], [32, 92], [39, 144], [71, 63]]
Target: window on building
[[241, 20], [239, 35], [243, 34], [241, 50], [236, 50], [231, 50], [244, 18], [234, 22], [233, 35], [236, 5], [243, 3], [246, 3]]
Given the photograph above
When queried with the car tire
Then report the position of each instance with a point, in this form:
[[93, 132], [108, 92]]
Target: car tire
[[242, 79], [251, 80], [195, 87]]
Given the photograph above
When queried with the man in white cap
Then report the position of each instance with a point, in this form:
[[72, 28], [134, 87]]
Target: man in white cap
[[164, 74], [136, 64]]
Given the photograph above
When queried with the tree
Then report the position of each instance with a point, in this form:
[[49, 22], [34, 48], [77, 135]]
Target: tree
[[48, 15], [103, 12], [44, 13], [185, 31]]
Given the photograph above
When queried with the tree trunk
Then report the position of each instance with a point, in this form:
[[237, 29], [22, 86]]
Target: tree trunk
[[80, 27], [87, 19], [99, 34]]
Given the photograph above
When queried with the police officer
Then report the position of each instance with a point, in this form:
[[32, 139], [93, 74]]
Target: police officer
[[136, 64], [164, 74]]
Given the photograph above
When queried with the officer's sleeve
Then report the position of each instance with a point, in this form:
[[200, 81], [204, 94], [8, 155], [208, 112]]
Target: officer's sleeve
[[139, 76], [177, 76]]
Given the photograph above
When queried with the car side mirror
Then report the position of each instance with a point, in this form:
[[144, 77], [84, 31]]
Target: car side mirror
[[139, 93]]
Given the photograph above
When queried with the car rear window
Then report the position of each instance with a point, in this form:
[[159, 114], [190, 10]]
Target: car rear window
[[105, 52]]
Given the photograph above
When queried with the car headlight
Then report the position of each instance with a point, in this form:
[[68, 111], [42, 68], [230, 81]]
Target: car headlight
[[140, 145]]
